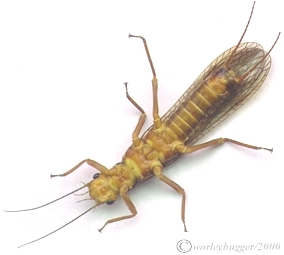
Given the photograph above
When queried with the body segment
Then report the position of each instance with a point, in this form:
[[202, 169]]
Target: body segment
[[226, 84]]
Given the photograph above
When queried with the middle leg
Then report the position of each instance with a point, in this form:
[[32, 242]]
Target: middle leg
[[135, 139], [158, 172]]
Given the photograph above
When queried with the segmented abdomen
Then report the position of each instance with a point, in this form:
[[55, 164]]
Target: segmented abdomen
[[203, 104], [206, 103]]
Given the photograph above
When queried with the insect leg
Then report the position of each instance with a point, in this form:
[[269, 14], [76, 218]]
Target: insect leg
[[132, 100], [90, 162], [158, 172], [156, 117], [136, 140], [129, 204], [189, 149]]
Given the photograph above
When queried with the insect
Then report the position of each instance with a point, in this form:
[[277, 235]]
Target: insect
[[226, 84]]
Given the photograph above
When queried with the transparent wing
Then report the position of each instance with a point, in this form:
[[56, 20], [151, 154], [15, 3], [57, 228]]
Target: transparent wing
[[246, 56]]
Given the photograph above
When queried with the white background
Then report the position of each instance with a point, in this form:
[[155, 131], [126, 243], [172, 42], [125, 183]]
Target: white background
[[62, 99]]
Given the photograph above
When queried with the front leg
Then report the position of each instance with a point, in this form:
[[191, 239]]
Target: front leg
[[128, 202], [90, 162]]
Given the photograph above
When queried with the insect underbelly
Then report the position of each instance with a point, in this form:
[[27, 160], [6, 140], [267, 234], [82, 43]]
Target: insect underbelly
[[141, 160], [194, 112]]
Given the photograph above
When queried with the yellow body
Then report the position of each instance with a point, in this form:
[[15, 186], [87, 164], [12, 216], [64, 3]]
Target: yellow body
[[226, 84], [159, 145]]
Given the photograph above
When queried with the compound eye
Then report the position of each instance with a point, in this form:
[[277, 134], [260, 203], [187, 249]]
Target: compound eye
[[96, 176], [109, 202]]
